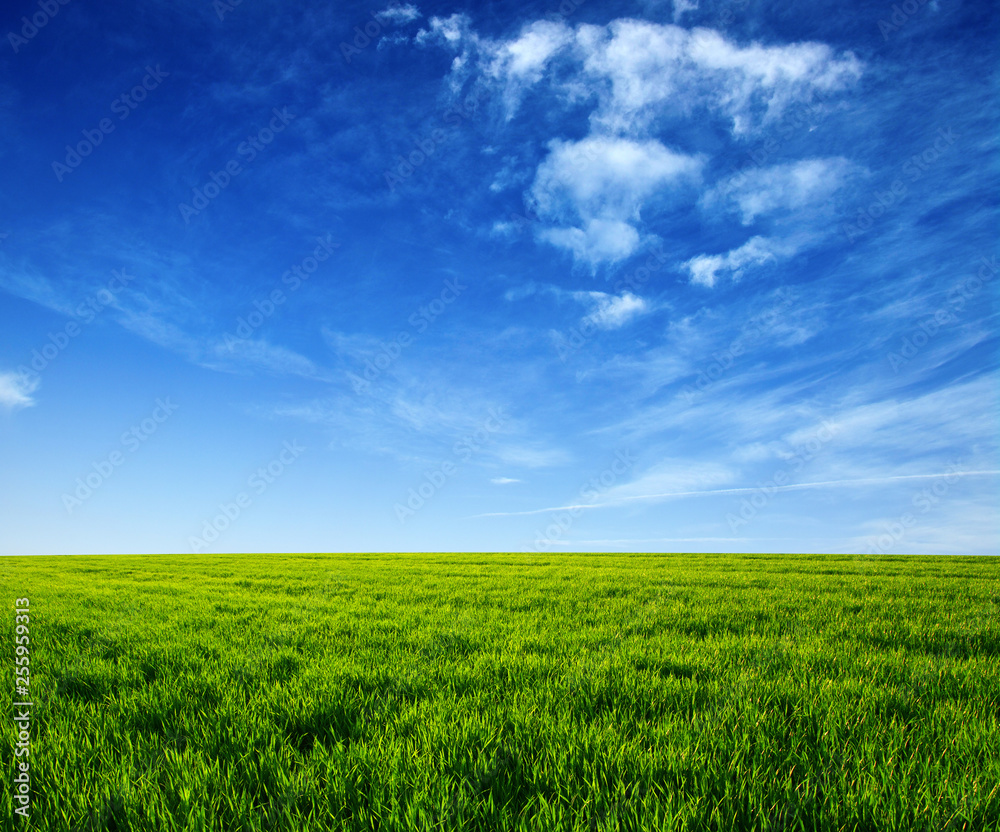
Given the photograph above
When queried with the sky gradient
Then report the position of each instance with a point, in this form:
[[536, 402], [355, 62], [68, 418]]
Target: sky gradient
[[702, 276]]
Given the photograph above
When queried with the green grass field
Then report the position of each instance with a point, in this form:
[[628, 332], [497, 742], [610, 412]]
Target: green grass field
[[505, 691]]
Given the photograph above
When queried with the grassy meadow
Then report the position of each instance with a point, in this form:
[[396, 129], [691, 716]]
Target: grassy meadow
[[508, 692]]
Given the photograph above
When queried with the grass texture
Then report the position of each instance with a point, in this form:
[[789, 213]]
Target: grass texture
[[508, 692]]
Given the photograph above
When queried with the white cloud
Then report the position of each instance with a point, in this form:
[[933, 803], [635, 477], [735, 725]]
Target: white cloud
[[398, 15], [602, 183], [520, 63], [768, 76], [607, 177], [606, 311], [614, 311], [503, 480], [503, 229], [705, 268], [392, 40], [635, 77], [512, 66], [600, 241], [519, 292], [16, 390], [453, 29], [455, 34], [652, 70], [787, 187], [526, 57], [681, 7], [639, 70], [509, 175]]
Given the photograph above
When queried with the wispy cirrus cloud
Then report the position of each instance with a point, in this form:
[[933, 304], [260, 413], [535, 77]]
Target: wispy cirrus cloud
[[787, 188], [605, 310], [622, 500], [17, 391]]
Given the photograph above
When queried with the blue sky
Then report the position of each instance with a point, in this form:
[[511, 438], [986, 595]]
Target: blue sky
[[702, 276]]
